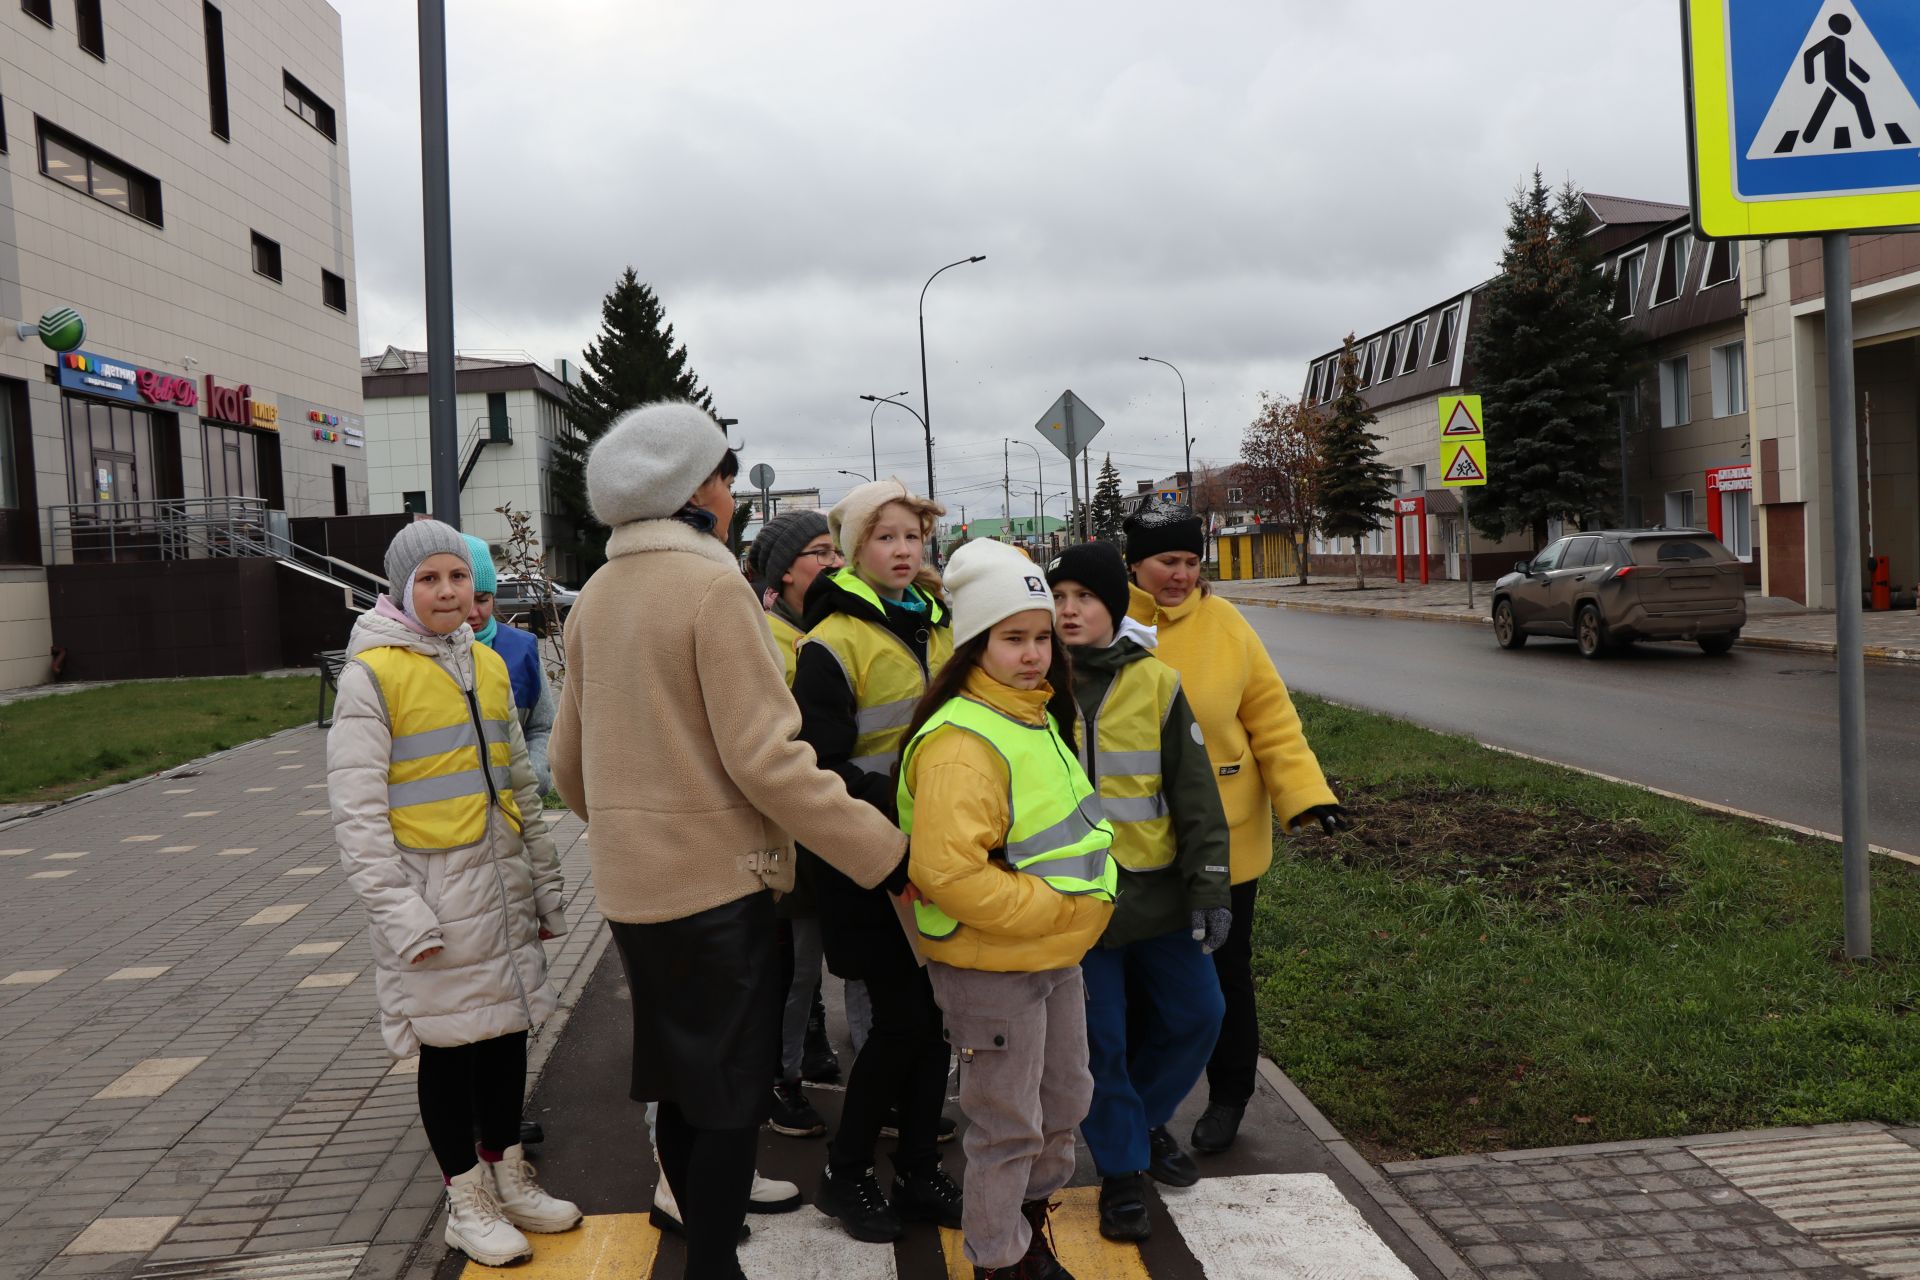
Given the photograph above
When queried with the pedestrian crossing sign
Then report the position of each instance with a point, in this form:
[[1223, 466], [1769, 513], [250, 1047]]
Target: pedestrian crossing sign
[[1802, 116], [1460, 418], [1463, 463]]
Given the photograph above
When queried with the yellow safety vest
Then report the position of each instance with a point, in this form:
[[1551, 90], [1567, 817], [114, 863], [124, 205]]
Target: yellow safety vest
[[1121, 752], [886, 676], [787, 637], [440, 779], [1057, 832]]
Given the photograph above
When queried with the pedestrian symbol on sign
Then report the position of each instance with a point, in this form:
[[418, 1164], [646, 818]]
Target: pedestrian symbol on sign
[[1467, 465], [1838, 61]]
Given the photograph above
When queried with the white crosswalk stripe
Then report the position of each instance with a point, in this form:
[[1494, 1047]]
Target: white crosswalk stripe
[[1279, 1226]]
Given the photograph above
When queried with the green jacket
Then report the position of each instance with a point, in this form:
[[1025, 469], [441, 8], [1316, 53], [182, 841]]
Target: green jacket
[[1156, 902]]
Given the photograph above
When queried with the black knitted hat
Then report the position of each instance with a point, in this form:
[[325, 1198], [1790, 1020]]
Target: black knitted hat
[[1156, 529], [1097, 566]]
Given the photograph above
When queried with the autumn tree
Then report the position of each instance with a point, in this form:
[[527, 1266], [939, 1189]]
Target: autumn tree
[[1280, 467]]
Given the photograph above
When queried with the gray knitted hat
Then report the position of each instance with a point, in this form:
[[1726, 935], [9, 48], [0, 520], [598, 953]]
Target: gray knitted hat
[[651, 460], [415, 543], [781, 542]]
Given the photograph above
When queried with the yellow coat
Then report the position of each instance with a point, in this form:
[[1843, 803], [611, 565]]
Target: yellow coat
[[1260, 754], [1010, 922]]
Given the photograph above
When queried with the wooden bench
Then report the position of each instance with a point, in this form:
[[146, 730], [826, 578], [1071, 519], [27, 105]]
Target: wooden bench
[[332, 662]]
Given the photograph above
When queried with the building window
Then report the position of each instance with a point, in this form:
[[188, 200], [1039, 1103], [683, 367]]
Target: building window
[[233, 462], [41, 9], [1675, 255], [92, 27], [1443, 341], [333, 290], [90, 171], [110, 452], [1233, 497], [266, 257], [414, 501], [1420, 477], [1415, 340], [3, 127], [1730, 380], [1723, 263], [1366, 363], [1736, 522], [339, 490], [1392, 363], [216, 70], [306, 104], [1627, 291], [1675, 392], [1680, 509]]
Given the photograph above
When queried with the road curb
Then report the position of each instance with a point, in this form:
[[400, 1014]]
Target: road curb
[[1431, 1244]]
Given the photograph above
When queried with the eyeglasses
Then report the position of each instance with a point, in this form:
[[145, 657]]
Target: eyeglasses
[[822, 554]]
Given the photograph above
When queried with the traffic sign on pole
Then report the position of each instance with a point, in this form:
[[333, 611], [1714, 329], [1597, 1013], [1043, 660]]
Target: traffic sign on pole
[[1068, 426], [1460, 418], [1463, 463], [1802, 116]]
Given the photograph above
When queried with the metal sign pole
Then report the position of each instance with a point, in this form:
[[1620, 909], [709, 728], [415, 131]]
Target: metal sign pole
[[1850, 651], [1466, 532]]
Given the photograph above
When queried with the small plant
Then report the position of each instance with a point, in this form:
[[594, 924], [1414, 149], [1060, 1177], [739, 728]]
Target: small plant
[[522, 554]]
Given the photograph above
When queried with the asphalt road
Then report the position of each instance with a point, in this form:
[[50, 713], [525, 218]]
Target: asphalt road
[[1757, 730]]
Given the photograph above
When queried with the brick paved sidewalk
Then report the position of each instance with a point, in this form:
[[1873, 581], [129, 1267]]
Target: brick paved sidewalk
[[190, 1061]]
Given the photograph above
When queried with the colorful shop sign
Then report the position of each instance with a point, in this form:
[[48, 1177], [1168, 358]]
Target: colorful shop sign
[[336, 428], [232, 405]]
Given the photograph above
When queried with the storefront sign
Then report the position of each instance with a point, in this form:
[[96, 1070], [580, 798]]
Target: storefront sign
[[266, 417], [231, 405], [165, 388], [100, 376], [331, 428], [1730, 479]]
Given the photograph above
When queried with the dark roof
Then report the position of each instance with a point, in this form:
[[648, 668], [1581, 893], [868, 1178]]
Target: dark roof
[[1618, 211], [398, 372]]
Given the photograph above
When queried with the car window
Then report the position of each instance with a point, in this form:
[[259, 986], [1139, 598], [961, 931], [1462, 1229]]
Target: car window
[[1580, 554], [1678, 551], [1549, 560]]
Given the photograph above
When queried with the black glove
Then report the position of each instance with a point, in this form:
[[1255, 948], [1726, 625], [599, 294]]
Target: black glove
[[1331, 818]]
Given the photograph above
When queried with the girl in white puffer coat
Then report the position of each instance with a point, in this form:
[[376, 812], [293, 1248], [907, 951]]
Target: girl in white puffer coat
[[440, 826]]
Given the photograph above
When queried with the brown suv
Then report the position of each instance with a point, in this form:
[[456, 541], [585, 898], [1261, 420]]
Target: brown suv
[[1607, 589]]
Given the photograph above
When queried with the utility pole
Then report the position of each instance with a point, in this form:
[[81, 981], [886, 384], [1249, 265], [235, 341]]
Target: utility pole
[[1006, 484], [443, 433]]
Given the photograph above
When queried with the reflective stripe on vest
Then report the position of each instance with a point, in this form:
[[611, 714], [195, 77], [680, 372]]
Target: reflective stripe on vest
[[450, 758], [1122, 751], [1057, 831], [886, 677]]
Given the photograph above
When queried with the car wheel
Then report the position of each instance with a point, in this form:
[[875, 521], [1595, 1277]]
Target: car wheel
[[1718, 646], [1506, 627], [1590, 633]]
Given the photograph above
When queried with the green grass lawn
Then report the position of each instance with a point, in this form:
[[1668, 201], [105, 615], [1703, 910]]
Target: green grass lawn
[[1511, 955], [67, 743]]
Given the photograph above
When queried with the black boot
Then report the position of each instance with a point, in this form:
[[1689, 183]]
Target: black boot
[[927, 1195], [860, 1205], [1040, 1262], [1123, 1207], [818, 1062], [1171, 1165], [1218, 1126]]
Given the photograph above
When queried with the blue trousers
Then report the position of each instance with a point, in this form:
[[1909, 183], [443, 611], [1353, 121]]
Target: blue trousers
[[1137, 1087]]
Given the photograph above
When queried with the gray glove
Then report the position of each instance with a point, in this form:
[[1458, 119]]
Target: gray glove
[[1210, 928]]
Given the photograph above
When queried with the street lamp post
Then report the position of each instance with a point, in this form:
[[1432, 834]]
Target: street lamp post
[[895, 402], [871, 445], [1186, 440], [855, 474], [926, 421], [1039, 482]]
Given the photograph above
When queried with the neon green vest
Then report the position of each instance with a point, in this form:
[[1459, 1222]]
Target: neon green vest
[[1057, 832], [1121, 752], [885, 675]]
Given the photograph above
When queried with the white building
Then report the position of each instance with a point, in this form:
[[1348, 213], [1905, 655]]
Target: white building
[[511, 415], [177, 172]]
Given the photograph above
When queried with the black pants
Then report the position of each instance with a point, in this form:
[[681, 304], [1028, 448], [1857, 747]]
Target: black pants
[[904, 1063], [469, 1085], [1236, 1055], [711, 1174]]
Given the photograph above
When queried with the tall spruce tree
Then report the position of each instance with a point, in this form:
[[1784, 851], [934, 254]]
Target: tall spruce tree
[[1354, 486], [634, 361], [1107, 512], [1549, 358]]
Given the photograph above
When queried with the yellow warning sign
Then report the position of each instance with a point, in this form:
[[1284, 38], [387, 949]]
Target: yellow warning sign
[[1463, 463], [1460, 418]]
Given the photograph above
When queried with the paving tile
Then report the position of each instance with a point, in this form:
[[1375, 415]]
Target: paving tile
[[121, 1235]]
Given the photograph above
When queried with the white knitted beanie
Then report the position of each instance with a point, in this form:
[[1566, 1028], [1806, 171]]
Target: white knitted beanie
[[990, 582], [853, 517], [651, 460]]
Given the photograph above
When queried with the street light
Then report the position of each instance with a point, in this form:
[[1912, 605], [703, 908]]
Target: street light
[[1039, 482], [874, 448], [1186, 440], [855, 474], [926, 421], [894, 401]]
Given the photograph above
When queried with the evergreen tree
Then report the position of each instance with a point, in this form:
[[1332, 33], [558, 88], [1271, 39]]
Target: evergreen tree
[[1107, 512], [634, 361], [1549, 357], [1354, 486]]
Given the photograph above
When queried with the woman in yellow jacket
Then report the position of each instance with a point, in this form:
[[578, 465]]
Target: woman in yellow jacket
[[1009, 857], [1261, 761]]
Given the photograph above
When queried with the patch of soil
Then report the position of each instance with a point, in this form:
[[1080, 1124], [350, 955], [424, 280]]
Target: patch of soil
[[1471, 837]]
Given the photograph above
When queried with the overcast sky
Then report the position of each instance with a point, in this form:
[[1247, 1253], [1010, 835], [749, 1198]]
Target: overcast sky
[[1228, 186]]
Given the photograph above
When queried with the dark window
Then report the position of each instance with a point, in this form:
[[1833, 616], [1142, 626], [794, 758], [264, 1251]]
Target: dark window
[[92, 27], [1723, 263], [1443, 341], [216, 70], [1581, 554], [415, 501], [339, 490], [1415, 340], [232, 460], [306, 104], [3, 127], [1627, 282], [1391, 365], [266, 257], [1678, 551], [499, 426], [1674, 259], [1549, 560], [333, 290], [93, 172], [41, 9]]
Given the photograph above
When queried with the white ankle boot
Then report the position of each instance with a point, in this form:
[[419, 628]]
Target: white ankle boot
[[524, 1203], [769, 1195], [475, 1224]]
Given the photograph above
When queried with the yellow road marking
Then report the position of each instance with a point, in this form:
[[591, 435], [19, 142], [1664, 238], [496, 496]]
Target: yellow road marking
[[611, 1246], [1076, 1239]]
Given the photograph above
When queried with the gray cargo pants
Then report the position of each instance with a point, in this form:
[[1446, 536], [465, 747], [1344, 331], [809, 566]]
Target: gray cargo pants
[[1025, 1088]]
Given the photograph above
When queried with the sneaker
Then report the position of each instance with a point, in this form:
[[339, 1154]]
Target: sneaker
[[770, 1195], [1218, 1126], [1123, 1207], [521, 1199], [1170, 1165], [665, 1215], [819, 1064], [792, 1114], [860, 1205], [927, 1195], [890, 1127], [475, 1224]]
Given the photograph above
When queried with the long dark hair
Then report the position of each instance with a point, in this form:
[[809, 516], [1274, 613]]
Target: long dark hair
[[952, 678]]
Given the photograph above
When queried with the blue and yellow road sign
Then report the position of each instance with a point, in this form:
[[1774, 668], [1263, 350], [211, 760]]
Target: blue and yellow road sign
[[1802, 116]]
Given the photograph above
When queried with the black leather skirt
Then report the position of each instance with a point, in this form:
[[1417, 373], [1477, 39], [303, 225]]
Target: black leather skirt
[[707, 996]]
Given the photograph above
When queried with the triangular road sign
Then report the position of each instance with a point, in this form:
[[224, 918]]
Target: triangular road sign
[[1841, 95], [1464, 420], [1464, 468]]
